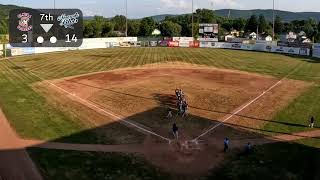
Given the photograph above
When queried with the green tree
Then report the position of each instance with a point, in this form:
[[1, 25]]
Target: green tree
[[205, 16], [170, 29], [97, 24], [317, 38], [264, 26], [133, 27], [119, 22], [147, 25], [4, 27], [107, 28], [239, 24], [252, 24], [287, 27], [88, 29], [278, 25], [309, 30], [227, 25]]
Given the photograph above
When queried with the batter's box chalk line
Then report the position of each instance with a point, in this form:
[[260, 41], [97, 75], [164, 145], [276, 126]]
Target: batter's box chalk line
[[191, 145]]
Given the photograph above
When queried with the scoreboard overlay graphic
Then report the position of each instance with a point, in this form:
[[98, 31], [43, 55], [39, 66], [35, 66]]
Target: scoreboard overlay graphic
[[46, 28]]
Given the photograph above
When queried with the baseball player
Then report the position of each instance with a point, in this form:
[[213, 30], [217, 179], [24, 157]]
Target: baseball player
[[226, 143], [169, 116], [175, 131], [311, 125]]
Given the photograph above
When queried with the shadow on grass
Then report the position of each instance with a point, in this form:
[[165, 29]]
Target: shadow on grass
[[285, 161], [250, 117], [81, 163]]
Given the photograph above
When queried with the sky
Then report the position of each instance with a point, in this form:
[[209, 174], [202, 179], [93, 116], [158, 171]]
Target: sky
[[142, 8]]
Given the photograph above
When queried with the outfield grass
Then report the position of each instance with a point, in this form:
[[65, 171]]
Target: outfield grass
[[295, 117], [33, 117]]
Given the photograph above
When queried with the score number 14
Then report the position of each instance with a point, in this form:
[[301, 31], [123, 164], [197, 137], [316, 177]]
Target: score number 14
[[73, 38]]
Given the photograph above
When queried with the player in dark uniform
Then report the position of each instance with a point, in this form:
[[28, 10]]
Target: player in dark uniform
[[226, 144], [248, 148], [175, 130], [311, 122]]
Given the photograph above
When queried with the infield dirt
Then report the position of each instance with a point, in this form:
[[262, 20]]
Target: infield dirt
[[143, 94]]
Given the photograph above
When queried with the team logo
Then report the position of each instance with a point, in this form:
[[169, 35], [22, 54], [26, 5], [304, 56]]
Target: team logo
[[68, 20], [24, 19]]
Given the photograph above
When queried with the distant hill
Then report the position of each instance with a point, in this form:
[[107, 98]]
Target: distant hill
[[161, 17], [5, 9], [234, 13], [285, 15]]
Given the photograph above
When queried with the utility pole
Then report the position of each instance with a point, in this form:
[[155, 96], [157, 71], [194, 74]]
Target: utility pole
[[126, 18], [54, 4], [257, 32], [273, 22], [192, 18]]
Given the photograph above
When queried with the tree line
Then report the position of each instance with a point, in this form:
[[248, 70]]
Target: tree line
[[181, 25]]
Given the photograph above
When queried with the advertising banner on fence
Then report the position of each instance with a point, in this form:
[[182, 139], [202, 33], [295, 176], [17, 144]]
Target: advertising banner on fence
[[290, 50], [163, 43], [260, 47], [194, 44], [248, 47], [39, 50], [181, 39], [235, 46], [184, 43], [316, 50], [16, 51], [304, 52], [204, 44], [30, 50], [278, 49], [208, 39], [173, 44]]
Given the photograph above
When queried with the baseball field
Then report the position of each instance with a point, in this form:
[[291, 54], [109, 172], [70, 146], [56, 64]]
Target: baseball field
[[102, 114]]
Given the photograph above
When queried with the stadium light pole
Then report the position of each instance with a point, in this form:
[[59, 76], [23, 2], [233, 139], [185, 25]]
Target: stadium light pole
[[54, 4], [192, 18], [273, 22], [126, 18]]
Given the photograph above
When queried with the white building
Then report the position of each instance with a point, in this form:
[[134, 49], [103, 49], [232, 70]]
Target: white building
[[156, 32], [252, 35], [267, 38], [291, 37], [228, 37]]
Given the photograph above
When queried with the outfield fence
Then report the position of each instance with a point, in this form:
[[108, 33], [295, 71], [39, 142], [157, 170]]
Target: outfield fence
[[186, 42]]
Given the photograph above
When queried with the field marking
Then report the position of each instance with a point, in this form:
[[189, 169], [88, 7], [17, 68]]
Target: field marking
[[245, 105], [109, 113], [102, 110]]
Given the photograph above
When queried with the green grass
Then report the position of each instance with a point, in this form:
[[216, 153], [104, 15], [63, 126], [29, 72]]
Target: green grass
[[295, 117], [57, 65], [71, 165], [29, 112], [33, 117], [279, 161]]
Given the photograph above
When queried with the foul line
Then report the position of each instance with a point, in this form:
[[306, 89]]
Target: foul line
[[246, 105], [102, 110]]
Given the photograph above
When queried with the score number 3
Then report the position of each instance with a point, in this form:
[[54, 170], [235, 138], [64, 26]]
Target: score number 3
[[24, 38], [73, 38]]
